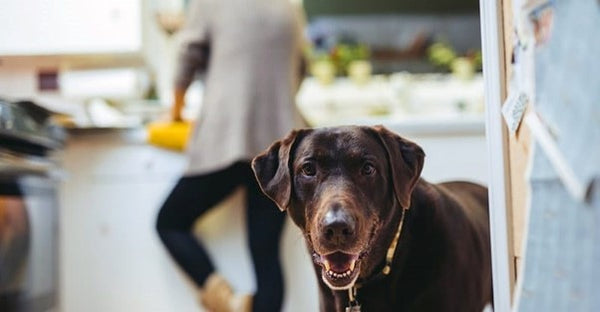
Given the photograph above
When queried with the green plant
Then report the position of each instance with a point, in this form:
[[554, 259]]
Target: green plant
[[442, 55], [340, 55], [344, 54]]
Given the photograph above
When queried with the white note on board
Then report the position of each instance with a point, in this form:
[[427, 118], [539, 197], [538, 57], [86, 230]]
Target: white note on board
[[513, 110]]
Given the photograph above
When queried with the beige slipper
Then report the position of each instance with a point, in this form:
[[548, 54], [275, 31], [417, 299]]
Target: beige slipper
[[218, 296]]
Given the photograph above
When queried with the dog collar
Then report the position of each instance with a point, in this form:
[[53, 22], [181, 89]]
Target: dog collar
[[389, 256], [387, 269]]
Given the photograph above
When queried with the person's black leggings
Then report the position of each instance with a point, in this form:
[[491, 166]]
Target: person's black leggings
[[193, 196]]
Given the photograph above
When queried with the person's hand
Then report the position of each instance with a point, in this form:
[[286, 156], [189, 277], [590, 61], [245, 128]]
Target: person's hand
[[175, 116], [178, 104]]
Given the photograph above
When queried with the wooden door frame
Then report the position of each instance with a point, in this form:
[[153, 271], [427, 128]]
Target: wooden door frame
[[494, 72]]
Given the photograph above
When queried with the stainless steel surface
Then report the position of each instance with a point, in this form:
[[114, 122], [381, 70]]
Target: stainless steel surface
[[28, 207], [27, 128]]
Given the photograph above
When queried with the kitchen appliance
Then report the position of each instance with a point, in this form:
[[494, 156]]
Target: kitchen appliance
[[29, 164]]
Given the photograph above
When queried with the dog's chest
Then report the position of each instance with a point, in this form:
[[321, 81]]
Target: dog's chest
[[372, 299]]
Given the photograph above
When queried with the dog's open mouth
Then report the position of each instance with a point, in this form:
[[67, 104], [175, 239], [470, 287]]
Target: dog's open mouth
[[339, 270]]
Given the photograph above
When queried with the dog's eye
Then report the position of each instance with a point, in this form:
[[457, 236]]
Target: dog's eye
[[309, 169], [367, 169]]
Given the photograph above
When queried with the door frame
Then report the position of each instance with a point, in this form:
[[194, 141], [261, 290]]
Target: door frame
[[497, 142]]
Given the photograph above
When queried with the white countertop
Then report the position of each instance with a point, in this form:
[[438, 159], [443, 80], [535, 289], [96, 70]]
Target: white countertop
[[421, 125], [407, 103]]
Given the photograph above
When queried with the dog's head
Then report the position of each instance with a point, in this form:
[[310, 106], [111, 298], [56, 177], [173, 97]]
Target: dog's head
[[341, 186]]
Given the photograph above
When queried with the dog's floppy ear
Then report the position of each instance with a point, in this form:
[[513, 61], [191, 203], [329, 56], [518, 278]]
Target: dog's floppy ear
[[272, 170], [406, 162]]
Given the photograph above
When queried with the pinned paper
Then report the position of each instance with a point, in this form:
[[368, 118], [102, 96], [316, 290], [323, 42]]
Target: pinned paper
[[513, 110]]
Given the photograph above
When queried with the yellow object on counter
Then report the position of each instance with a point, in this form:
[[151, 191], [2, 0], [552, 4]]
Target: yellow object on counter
[[171, 135]]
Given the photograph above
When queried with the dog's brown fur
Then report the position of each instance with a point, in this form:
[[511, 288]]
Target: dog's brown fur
[[364, 178]]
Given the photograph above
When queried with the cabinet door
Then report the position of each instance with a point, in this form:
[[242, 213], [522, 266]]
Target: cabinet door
[[41, 27]]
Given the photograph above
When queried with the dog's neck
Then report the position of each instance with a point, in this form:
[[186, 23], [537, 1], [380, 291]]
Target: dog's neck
[[392, 241], [385, 251]]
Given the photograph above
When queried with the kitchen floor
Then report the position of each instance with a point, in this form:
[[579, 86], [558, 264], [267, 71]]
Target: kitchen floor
[[112, 259]]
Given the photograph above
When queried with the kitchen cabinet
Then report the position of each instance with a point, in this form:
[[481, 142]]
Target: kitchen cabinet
[[70, 27], [112, 259]]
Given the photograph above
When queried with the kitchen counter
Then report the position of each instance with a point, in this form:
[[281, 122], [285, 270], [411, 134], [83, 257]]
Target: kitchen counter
[[466, 124], [415, 104]]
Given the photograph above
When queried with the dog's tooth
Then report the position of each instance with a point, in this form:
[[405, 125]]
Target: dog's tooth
[[352, 264], [327, 266]]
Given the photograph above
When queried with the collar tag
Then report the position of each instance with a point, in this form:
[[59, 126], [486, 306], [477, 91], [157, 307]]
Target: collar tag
[[353, 305]]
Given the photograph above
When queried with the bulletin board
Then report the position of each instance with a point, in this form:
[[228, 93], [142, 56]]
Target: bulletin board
[[540, 61], [561, 263]]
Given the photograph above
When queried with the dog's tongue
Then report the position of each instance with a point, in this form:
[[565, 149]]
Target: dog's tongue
[[339, 262]]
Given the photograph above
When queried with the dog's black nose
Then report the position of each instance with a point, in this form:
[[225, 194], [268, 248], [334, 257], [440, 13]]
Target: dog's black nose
[[338, 225]]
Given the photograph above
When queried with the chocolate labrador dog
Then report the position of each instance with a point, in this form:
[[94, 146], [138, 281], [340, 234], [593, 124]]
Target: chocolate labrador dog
[[381, 238]]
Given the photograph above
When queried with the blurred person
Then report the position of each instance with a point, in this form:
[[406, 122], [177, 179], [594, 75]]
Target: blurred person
[[251, 53]]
